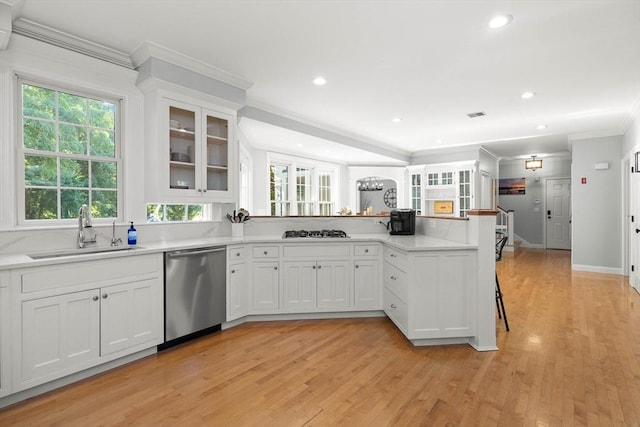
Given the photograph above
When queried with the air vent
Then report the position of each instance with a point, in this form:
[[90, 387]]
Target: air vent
[[478, 114]]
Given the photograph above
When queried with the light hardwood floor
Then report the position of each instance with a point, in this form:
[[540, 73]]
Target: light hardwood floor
[[572, 358]]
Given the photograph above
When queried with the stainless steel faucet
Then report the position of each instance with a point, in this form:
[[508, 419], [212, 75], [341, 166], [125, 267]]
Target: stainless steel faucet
[[114, 241], [84, 214]]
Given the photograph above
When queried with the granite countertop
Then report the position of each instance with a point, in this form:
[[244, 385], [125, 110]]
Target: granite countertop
[[404, 243]]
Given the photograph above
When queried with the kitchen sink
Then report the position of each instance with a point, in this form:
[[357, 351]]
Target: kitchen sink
[[80, 252]]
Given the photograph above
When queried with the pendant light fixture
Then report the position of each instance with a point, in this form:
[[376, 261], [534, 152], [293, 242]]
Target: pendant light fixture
[[533, 164], [370, 183]]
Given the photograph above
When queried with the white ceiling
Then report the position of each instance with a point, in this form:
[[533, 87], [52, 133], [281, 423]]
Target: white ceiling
[[429, 62]]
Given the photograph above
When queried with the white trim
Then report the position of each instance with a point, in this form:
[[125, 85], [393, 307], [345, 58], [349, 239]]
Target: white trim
[[58, 38], [149, 49], [575, 137], [597, 269]]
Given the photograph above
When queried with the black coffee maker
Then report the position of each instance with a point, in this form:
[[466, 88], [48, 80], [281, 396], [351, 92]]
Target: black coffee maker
[[402, 221]]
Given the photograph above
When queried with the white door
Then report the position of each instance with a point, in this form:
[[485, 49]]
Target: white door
[[486, 192], [558, 213], [634, 228]]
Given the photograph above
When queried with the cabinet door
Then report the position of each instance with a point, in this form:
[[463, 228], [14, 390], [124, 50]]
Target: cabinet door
[[59, 333], [299, 285], [333, 284], [366, 284], [216, 151], [130, 315], [265, 286], [237, 292], [184, 148]]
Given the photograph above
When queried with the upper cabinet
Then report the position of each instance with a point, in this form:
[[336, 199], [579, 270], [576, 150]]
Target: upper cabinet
[[191, 150]]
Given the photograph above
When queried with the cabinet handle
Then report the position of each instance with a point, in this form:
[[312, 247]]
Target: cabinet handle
[[314, 267], [96, 297], [204, 191], [104, 296], [366, 251], [237, 253], [319, 267], [393, 278], [265, 252], [233, 271], [392, 255], [357, 266], [199, 190], [394, 306]]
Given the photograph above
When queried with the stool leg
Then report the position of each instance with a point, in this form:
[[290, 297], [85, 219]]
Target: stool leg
[[499, 299]]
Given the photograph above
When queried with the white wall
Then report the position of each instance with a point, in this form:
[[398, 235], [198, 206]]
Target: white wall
[[631, 138], [529, 216], [597, 205]]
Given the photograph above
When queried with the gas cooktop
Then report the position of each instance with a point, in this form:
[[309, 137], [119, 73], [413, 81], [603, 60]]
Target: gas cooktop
[[318, 234]]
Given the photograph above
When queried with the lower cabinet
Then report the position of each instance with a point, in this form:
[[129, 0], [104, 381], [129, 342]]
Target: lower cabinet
[[71, 317], [366, 284], [75, 330], [265, 287], [237, 283], [312, 285]]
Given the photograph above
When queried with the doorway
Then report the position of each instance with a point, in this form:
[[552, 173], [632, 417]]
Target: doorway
[[633, 229], [558, 218]]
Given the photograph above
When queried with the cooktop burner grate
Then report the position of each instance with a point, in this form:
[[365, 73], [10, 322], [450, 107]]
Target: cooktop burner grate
[[318, 234]]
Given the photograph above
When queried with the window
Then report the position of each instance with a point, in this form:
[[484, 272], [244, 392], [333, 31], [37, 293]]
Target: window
[[177, 212], [432, 179], [303, 191], [325, 203], [465, 192], [447, 178], [301, 186], [70, 154], [279, 189], [416, 192]]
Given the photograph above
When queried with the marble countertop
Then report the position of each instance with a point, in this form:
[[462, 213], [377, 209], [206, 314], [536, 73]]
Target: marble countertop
[[404, 243]]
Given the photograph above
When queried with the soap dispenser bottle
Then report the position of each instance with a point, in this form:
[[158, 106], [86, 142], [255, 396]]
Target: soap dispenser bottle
[[132, 235]]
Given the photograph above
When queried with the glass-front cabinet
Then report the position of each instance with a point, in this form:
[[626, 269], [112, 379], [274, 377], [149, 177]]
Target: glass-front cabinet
[[191, 152], [198, 150]]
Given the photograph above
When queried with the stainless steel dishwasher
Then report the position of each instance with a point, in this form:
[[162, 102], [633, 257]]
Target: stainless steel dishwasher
[[195, 293]]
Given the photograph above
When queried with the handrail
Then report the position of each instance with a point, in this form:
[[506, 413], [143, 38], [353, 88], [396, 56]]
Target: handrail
[[504, 223]]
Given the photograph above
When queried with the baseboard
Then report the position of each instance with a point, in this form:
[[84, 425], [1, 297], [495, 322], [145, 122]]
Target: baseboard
[[597, 269]]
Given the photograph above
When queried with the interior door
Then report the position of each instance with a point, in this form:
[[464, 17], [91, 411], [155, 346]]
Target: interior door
[[558, 228], [634, 228]]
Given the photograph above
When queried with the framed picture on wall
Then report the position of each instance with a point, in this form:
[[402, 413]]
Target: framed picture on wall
[[513, 186]]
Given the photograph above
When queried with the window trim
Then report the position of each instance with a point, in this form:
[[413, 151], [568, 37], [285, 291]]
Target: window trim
[[21, 151], [316, 167]]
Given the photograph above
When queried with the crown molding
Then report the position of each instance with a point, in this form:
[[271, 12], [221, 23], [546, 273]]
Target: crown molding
[[574, 137], [36, 31], [149, 49], [632, 114]]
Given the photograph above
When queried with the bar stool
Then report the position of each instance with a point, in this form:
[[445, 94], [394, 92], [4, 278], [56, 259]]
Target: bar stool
[[502, 314]]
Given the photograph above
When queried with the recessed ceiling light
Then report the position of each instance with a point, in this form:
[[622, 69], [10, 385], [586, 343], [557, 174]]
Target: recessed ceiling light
[[438, 141], [500, 21], [396, 119], [541, 127], [527, 95], [299, 145], [319, 81]]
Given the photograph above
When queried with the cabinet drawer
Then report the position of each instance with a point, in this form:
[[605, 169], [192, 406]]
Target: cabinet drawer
[[397, 258], [396, 280], [236, 254], [366, 250], [396, 310], [316, 250], [265, 252]]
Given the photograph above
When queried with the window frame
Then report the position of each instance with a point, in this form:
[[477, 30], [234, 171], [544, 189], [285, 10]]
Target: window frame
[[21, 152], [316, 167]]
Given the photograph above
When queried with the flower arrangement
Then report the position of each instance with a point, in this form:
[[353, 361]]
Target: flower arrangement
[[345, 211]]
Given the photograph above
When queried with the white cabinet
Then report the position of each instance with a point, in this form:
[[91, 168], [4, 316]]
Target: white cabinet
[[191, 149], [265, 287], [237, 283], [366, 277], [333, 284], [431, 294], [5, 381], [299, 285], [78, 315]]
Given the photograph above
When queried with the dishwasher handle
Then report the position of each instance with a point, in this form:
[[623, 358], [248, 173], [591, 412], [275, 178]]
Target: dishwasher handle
[[178, 254]]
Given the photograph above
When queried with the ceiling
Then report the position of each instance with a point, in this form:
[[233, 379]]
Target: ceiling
[[428, 62]]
